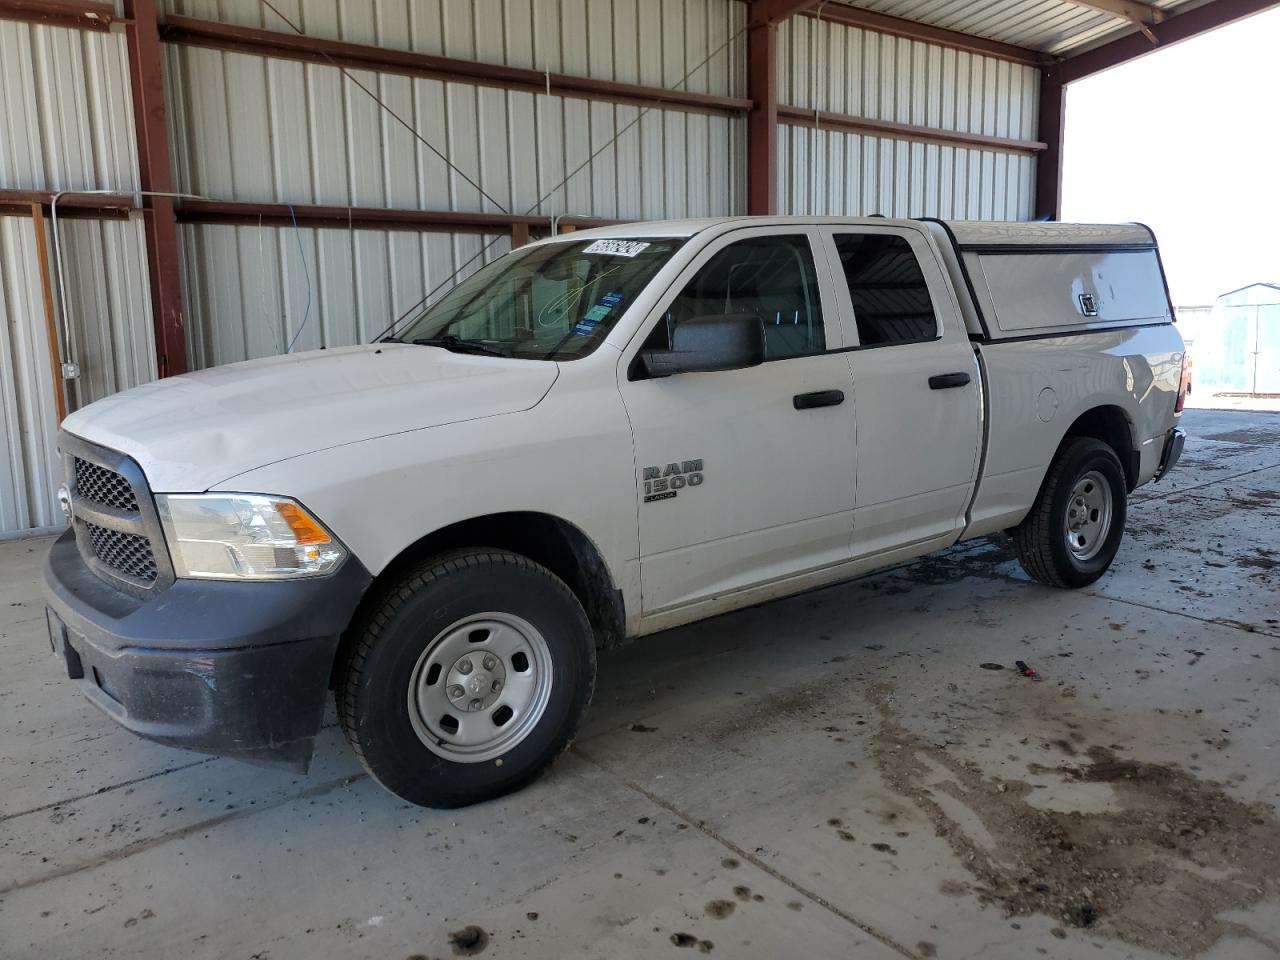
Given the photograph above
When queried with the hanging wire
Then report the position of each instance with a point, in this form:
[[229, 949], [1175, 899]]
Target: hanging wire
[[537, 206], [814, 84], [550, 193], [382, 103], [306, 273], [65, 352]]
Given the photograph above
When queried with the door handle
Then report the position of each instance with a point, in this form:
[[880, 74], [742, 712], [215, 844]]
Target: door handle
[[944, 381], [819, 398]]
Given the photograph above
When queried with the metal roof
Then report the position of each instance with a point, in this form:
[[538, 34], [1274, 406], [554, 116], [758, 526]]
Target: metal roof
[[1057, 27]]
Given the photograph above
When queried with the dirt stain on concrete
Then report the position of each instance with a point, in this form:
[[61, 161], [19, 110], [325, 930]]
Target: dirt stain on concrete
[[1247, 436], [1157, 869], [1261, 559], [469, 941], [689, 941], [719, 909]]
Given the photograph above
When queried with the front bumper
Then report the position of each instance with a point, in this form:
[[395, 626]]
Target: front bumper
[[1173, 445], [225, 667]]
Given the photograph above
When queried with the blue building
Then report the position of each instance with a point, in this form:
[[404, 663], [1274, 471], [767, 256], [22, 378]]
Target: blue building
[[1236, 346]]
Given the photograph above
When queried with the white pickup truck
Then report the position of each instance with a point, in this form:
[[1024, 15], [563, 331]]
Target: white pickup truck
[[595, 437]]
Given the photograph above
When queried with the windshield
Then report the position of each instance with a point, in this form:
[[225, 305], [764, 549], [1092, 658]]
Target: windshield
[[556, 301]]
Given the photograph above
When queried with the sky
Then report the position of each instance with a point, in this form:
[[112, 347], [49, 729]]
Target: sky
[[1187, 141]]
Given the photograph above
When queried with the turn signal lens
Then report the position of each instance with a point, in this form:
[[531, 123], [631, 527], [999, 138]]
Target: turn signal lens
[[304, 527]]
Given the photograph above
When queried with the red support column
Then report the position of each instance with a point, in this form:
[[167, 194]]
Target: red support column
[[762, 119], [147, 83], [1052, 125]]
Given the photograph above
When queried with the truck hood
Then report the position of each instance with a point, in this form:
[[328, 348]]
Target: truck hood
[[193, 431]]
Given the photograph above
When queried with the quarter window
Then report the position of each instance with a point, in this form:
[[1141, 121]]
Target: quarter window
[[890, 299], [770, 277]]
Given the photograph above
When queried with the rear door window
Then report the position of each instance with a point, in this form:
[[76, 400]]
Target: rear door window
[[891, 303]]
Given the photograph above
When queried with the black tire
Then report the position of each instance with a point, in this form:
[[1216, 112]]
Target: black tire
[[372, 683], [1040, 540]]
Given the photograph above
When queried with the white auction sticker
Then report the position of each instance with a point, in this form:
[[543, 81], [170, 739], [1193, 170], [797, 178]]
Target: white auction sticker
[[617, 248]]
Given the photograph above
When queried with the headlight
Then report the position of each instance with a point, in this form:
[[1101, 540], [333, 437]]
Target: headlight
[[243, 536]]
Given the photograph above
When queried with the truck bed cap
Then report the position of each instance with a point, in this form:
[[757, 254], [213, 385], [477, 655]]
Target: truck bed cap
[[985, 233], [968, 233]]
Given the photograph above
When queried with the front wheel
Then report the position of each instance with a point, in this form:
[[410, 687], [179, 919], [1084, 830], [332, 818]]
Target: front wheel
[[466, 678], [1074, 529]]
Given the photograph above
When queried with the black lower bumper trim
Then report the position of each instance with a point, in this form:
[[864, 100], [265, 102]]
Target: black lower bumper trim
[[230, 668], [1172, 451]]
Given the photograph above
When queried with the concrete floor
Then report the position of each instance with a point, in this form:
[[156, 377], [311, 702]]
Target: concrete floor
[[833, 775]]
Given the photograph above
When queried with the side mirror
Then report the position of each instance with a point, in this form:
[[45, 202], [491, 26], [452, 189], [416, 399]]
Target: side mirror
[[713, 342]]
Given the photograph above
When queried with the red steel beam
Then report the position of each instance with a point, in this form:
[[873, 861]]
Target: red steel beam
[[1052, 129], [1175, 29], [72, 206], [60, 13], [356, 56], [146, 82], [915, 30], [762, 120], [775, 11], [804, 116], [249, 213], [223, 36]]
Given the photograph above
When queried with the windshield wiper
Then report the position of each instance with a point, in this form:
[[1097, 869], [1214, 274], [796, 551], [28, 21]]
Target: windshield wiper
[[456, 344]]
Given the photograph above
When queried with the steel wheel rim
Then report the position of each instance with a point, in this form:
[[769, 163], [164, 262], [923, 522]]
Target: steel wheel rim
[[1088, 519], [480, 687]]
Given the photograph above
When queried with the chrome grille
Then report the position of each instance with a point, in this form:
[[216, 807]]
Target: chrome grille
[[104, 487], [127, 552]]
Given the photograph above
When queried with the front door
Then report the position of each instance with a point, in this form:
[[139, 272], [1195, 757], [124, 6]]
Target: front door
[[916, 391], [745, 476]]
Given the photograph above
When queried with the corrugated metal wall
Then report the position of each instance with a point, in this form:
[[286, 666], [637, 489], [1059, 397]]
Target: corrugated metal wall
[[66, 119], [110, 339], [108, 306], [65, 124], [250, 128], [842, 69], [27, 419], [244, 127], [651, 42], [254, 288]]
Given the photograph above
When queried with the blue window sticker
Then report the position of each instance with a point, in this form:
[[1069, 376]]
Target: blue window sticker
[[591, 319]]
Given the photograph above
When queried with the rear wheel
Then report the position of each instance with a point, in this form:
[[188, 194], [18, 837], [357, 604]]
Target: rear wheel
[[1074, 529], [467, 678]]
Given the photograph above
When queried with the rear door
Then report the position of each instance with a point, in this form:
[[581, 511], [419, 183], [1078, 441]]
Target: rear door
[[745, 476], [916, 392]]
